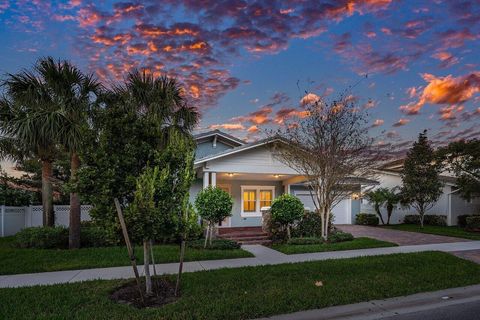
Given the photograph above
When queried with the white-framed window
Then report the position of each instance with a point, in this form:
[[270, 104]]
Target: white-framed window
[[254, 198]]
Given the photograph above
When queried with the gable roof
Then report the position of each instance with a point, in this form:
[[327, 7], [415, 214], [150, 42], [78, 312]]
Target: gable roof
[[225, 136], [246, 146]]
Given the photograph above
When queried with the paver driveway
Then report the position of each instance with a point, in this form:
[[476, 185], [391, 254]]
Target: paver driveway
[[403, 238]]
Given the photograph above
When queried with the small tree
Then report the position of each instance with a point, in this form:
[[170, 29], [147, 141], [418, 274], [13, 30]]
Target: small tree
[[463, 159], [377, 198], [421, 184], [143, 216], [214, 205], [330, 147], [285, 210]]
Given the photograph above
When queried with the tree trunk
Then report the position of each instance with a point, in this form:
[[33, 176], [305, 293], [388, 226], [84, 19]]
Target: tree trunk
[[327, 221], [75, 210], [421, 219], [379, 213], [206, 236], [288, 232], [47, 194], [146, 258], [389, 213], [180, 266]]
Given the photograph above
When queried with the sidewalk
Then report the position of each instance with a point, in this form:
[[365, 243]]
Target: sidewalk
[[263, 256], [393, 307]]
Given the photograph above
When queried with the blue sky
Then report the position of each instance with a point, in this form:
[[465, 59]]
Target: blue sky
[[247, 64]]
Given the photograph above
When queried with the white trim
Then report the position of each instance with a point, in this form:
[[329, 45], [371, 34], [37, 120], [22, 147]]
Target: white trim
[[213, 181], [258, 212], [206, 182]]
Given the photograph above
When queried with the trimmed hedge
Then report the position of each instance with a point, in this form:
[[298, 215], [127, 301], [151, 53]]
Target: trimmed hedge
[[340, 237], [473, 222], [91, 235], [429, 219], [337, 236], [305, 241], [368, 219], [42, 238], [217, 244], [462, 220]]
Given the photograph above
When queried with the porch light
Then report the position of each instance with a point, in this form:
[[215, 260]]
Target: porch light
[[355, 196], [230, 174], [276, 176]]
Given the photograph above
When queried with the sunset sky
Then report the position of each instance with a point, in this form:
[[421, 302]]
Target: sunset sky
[[247, 64]]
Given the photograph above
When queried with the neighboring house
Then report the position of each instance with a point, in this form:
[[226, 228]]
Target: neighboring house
[[254, 177], [450, 203]]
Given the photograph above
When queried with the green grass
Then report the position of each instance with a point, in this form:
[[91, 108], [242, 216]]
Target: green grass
[[252, 292], [439, 230], [17, 260], [357, 243]]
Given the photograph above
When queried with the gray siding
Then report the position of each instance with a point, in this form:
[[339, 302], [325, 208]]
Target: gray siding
[[206, 148], [235, 187]]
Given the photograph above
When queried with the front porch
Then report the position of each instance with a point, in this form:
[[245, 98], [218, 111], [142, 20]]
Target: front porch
[[251, 192]]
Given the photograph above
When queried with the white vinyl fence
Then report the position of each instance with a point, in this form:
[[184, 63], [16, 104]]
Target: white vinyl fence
[[14, 219]]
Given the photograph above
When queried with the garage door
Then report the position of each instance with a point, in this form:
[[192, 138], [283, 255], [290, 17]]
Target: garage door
[[341, 212]]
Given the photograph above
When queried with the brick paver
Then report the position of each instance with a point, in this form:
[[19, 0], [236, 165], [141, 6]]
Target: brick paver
[[403, 238], [472, 255]]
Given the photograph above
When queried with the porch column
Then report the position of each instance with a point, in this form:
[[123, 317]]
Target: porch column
[[214, 179], [287, 188], [206, 180]]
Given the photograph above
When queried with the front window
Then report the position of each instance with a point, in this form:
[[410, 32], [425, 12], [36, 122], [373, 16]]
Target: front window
[[254, 198], [249, 200], [265, 198]]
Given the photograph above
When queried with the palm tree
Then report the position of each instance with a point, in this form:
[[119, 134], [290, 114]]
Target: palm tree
[[29, 124], [377, 198], [159, 99], [76, 93]]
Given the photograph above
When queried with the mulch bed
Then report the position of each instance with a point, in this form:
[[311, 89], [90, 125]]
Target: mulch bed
[[163, 293]]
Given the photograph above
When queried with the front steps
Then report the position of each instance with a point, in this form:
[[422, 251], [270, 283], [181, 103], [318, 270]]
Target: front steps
[[245, 235]]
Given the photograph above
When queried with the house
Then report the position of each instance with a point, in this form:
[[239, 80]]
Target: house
[[254, 177], [450, 203]]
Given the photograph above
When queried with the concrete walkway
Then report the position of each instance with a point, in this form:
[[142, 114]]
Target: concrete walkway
[[393, 307], [263, 256], [400, 237]]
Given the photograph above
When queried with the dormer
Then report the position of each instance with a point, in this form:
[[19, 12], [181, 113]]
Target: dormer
[[213, 142]]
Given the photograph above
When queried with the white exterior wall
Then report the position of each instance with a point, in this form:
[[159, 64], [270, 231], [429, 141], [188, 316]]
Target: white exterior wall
[[390, 181], [461, 206]]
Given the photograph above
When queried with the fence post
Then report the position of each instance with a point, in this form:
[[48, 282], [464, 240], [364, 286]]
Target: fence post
[[3, 221]]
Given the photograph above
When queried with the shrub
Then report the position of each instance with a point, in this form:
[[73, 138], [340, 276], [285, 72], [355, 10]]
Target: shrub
[[368, 219], [92, 235], [305, 241], [428, 219], [214, 204], [473, 222], [286, 209], [340, 237], [310, 225], [218, 244], [462, 220], [42, 238]]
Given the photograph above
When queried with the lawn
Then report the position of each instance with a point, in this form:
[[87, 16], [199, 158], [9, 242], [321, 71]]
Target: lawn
[[251, 292], [16, 260], [451, 231], [357, 243]]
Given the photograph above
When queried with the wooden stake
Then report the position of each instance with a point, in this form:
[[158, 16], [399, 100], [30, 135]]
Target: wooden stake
[[131, 254]]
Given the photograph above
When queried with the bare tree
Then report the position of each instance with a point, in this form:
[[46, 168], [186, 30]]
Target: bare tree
[[331, 148]]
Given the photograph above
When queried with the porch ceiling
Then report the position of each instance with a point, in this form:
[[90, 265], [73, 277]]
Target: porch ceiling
[[252, 176]]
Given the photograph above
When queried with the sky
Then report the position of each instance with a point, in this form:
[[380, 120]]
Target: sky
[[249, 66]]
